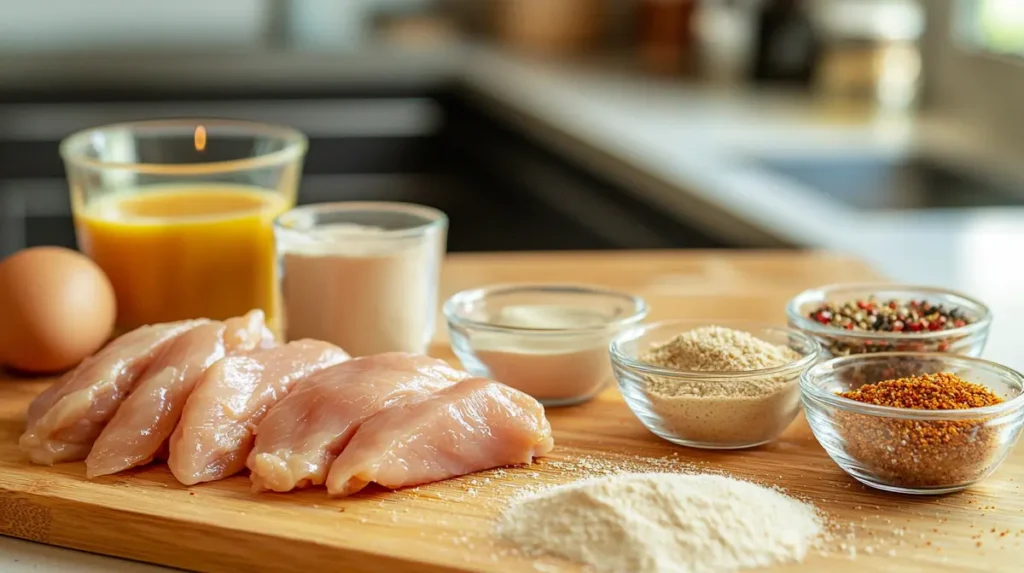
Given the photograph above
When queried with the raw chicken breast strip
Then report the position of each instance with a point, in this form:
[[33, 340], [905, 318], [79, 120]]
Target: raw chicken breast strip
[[304, 432], [217, 427], [64, 423], [474, 425], [140, 428], [248, 332], [45, 401]]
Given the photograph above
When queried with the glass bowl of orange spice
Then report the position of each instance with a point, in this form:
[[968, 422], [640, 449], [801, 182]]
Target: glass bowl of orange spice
[[914, 423]]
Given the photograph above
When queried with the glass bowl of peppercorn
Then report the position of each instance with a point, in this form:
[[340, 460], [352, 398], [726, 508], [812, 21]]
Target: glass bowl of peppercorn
[[913, 422], [864, 318]]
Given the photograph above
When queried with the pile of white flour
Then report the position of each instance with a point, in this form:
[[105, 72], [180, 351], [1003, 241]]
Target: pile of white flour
[[646, 523]]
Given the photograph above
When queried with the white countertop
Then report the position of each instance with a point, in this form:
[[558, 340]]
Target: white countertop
[[17, 556], [682, 146], [676, 143]]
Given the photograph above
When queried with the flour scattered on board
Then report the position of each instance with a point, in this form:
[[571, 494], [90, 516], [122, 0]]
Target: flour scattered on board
[[662, 522]]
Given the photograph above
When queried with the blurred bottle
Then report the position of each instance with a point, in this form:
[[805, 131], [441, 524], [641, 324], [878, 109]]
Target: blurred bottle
[[787, 46], [725, 32], [666, 36], [325, 24], [551, 27], [871, 53]]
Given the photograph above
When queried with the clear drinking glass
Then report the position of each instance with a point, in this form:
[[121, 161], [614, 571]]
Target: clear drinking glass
[[179, 213], [362, 275]]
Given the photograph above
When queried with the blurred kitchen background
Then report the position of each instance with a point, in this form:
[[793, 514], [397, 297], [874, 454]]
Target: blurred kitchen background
[[890, 129]]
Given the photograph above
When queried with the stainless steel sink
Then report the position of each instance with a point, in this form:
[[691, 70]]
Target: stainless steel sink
[[896, 183]]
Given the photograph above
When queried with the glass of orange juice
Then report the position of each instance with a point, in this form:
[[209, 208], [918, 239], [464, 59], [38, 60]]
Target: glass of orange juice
[[179, 213]]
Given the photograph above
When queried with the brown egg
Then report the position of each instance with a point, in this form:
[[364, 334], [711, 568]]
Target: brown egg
[[56, 308]]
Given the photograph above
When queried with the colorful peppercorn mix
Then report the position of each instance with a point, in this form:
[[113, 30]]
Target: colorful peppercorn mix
[[889, 317], [922, 453]]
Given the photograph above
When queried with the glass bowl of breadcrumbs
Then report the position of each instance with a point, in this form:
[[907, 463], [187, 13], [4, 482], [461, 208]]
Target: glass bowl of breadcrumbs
[[713, 384], [914, 422]]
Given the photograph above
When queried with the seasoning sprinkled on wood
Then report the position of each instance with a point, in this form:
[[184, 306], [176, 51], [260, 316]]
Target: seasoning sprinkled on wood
[[922, 453]]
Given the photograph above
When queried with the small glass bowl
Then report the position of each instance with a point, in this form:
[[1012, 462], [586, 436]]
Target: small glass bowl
[[550, 341], [728, 409], [912, 451], [967, 340]]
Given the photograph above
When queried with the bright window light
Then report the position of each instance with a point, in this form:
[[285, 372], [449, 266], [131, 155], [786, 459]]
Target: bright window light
[[997, 24]]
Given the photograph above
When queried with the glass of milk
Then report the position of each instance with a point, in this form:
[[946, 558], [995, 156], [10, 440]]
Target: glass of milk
[[362, 275]]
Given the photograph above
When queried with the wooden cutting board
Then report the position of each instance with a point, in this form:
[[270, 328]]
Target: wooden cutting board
[[221, 527]]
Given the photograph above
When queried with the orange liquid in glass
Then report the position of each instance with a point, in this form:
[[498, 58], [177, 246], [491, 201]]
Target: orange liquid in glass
[[186, 252]]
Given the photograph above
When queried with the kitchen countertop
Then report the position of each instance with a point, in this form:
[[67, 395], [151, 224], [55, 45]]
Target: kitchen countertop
[[18, 556], [687, 148], [682, 147], [390, 64]]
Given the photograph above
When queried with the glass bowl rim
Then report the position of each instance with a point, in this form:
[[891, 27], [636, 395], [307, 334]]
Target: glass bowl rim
[[433, 218], [813, 390], [621, 358], [821, 292], [451, 314], [295, 146]]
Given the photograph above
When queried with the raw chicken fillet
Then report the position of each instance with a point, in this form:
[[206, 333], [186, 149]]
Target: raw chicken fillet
[[64, 421], [304, 432], [142, 425], [213, 398], [474, 425], [217, 426]]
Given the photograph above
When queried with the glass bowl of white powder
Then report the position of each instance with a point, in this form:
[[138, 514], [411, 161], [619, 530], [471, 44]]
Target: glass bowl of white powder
[[714, 385], [550, 341]]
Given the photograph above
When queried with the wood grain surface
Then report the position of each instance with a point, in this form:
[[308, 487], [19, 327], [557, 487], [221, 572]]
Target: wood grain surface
[[146, 515]]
